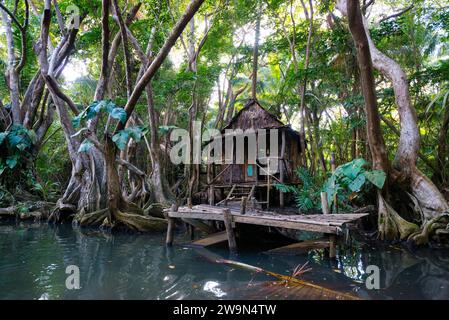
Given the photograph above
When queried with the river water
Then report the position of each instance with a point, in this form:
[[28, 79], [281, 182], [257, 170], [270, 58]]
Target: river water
[[34, 258]]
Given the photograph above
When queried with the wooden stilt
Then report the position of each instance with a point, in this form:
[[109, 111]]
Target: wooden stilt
[[324, 203], [282, 170], [332, 246], [191, 232], [212, 195], [333, 168], [170, 227], [243, 205], [229, 230], [268, 184], [189, 203]]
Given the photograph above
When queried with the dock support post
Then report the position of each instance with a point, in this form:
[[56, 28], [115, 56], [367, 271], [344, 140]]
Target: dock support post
[[332, 246], [170, 226], [243, 205], [324, 203], [211, 187], [282, 168], [230, 230], [268, 184], [211, 195], [189, 203]]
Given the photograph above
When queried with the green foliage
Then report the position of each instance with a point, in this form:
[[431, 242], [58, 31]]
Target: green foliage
[[307, 195], [16, 144], [350, 181], [163, 130], [353, 180], [85, 146], [95, 108], [122, 137]]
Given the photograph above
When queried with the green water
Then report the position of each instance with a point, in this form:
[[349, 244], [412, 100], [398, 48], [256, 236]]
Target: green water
[[34, 257]]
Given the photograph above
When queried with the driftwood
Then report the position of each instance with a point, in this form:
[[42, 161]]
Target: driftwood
[[301, 288], [28, 211]]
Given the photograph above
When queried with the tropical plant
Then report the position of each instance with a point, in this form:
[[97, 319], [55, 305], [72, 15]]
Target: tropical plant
[[122, 137], [352, 181], [16, 144], [307, 195]]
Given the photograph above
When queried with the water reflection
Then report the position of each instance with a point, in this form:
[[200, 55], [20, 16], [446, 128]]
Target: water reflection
[[126, 266]]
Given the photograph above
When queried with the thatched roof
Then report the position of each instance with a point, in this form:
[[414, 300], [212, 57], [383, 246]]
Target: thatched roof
[[254, 116]]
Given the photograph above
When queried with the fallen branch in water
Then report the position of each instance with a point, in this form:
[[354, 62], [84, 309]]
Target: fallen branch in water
[[291, 281]]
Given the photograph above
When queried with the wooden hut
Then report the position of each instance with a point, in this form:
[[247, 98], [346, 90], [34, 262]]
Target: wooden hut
[[254, 180]]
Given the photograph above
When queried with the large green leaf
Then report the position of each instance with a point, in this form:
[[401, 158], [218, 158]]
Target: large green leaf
[[376, 177], [109, 106], [121, 139], [3, 136], [85, 146], [353, 168], [163, 130], [135, 133], [357, 184], [119, 114], [76, 122], [15, 139], [12, 161], [32, 135]]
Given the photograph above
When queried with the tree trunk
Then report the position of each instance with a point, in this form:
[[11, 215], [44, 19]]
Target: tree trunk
[[404, 170]]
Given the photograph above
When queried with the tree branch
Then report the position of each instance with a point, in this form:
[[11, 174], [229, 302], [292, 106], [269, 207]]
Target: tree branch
[[126, 52], [400, 13], [157, 62]]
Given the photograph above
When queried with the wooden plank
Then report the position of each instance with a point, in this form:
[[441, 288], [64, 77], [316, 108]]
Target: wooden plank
[[331, 224], [287, 224], [212, 239], [198, 215], [301, 247]]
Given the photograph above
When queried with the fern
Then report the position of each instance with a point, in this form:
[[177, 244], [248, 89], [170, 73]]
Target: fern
[[307, 195]]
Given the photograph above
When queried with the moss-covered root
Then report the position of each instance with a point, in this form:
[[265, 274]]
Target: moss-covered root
[[92, 218], [391, 225], [139, 222], [430, 228]]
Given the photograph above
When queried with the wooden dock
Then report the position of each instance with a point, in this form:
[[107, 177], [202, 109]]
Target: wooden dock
[[330, 224]]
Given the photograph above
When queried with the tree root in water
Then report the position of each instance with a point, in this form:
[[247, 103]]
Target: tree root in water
[[436, 226], [35, 211], [140, 222], [391, 225]]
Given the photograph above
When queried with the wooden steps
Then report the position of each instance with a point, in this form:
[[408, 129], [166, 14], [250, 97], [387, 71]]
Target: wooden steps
[[301, 247], [212, 239]]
